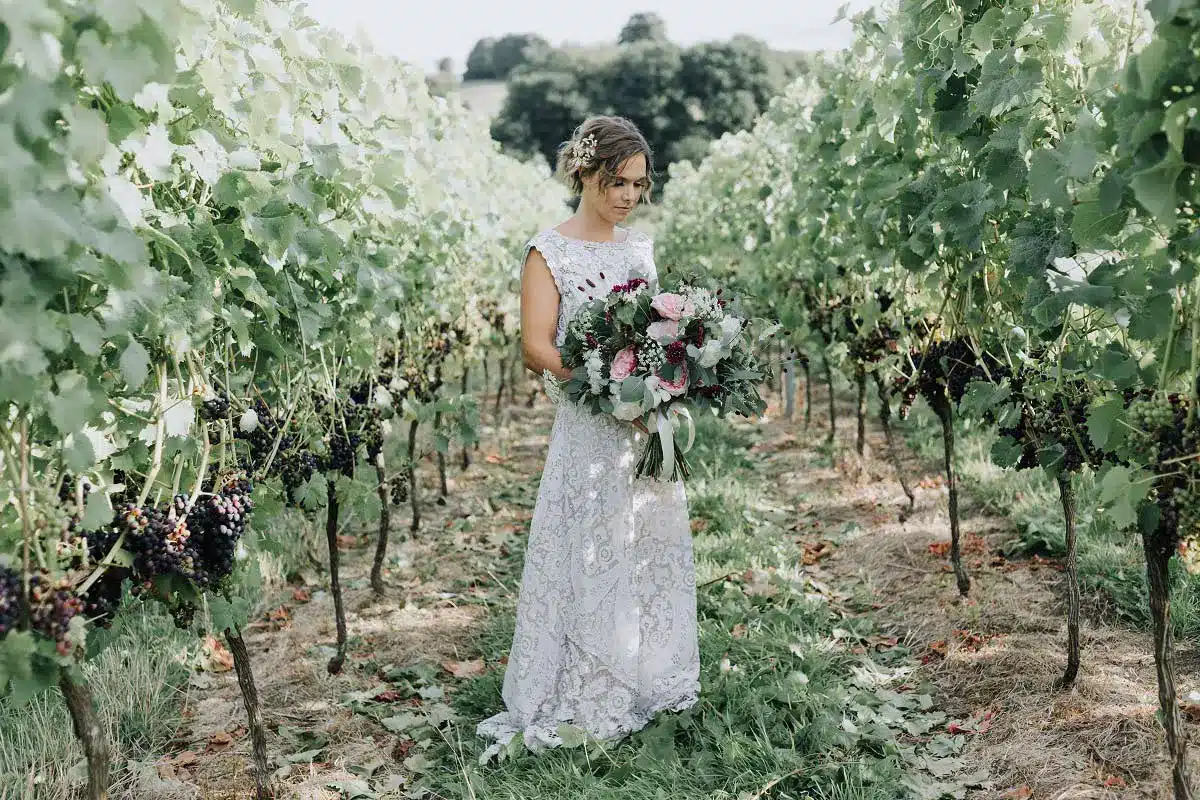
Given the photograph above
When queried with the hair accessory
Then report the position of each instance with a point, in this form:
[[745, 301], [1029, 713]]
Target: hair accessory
[[583, 152]]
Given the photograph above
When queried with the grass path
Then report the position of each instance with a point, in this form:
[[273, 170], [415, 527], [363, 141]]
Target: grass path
[[837, 660]]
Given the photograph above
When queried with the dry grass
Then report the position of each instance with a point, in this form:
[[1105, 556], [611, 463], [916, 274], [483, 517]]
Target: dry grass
[[426, 616], [1099, 739]]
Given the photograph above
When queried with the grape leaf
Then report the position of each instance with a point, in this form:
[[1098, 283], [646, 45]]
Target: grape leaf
[[135, 364], [1121, 489], [228, 614], [71, 404], [16, 656], [1102, 421], [1155, 187]]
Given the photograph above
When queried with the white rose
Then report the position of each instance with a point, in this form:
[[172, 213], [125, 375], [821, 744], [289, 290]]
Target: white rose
[[711, 353], [627, 411]]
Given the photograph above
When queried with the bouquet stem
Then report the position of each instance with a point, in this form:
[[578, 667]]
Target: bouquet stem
[[651, 463]]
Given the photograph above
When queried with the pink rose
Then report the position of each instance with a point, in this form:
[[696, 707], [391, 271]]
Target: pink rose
[[623, 365], [677, 386], [663, 329], [672, 306]]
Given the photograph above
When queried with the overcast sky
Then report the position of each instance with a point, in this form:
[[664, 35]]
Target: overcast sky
[[424, 31]]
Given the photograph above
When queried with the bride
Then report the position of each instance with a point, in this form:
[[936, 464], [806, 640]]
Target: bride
[[606, 619]]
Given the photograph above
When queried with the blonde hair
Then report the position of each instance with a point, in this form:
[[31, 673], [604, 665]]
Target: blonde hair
[[617, 140]]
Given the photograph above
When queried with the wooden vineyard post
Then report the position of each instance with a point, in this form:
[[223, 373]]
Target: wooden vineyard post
[[254, 717], [503, 377], [789, 389], [443, 489], [1158, 550], [945, 413], [411, 473], [466, 451], [885, 420], [385, 524], [88, 731], [807, 393], [832, 435], [331, 528], [1066, 492], [860, 378]]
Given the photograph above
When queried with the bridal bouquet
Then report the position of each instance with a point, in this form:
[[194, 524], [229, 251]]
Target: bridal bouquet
[[659, 356]]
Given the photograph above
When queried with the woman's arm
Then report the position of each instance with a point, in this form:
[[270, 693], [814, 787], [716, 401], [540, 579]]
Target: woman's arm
[[539, 317]]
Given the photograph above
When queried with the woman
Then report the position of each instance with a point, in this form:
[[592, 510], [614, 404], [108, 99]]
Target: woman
[[606, 619]]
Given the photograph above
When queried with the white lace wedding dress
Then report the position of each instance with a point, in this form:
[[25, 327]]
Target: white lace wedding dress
[[606, 619]]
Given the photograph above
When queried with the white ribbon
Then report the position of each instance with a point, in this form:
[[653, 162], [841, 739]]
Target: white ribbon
[[666, 435]]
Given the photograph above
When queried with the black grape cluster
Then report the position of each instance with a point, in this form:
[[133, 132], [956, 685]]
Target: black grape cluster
[[262, 438], [52, 606], [343, 449], [104, 597], [293, 463], [215, 408], [399, 489], [352, 424], [875, 345], [1060, 421], [157, 538], [217, 523], [944, 372], [10, 600], [295, 467]]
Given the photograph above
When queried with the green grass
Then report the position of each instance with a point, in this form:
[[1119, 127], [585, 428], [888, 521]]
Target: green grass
[[1111, 563], [135, 682], [783, 703]]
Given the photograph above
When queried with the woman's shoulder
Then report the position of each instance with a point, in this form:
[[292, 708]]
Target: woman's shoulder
[[554, 236]]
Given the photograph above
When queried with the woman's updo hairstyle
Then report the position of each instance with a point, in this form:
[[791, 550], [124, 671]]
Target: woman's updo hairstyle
[[600, 146]]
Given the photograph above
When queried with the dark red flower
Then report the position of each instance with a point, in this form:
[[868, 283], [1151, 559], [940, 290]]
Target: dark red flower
[[635, 283], [592, 341], [676, 352]]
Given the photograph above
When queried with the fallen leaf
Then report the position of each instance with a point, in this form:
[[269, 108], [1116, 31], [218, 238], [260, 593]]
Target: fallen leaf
[[402, 748], [1115, 782], [1191, 711], [814, 552], [346, 542], [1022, 792], [301, 595], [739, 631], [389, 696], [279, 617], [465, 669], [699, 525], [218, 742], [215, 656], [493, 458]]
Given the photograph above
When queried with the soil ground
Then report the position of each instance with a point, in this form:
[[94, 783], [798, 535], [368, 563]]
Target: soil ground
[[994, 656]]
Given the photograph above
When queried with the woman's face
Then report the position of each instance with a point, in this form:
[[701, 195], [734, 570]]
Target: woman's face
[[617, 202]]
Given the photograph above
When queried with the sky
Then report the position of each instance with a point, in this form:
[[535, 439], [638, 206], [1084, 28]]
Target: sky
[[424, 31]]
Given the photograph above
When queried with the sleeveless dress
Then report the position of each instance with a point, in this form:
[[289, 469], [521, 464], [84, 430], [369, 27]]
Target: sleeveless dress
[[606, 617]]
